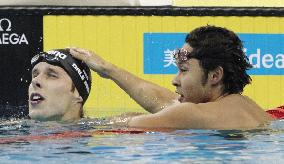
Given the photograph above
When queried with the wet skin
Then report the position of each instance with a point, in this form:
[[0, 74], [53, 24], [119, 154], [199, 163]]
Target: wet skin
[[50, 94]]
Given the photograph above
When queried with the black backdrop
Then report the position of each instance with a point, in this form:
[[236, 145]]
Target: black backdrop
[[20, 39]]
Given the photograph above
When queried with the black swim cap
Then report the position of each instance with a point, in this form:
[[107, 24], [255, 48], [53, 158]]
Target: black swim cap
[[78, 71]]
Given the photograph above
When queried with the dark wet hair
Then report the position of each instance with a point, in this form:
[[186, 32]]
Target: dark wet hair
[[217, 46]]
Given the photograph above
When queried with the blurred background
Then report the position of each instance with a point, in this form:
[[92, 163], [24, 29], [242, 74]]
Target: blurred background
[[137, 35]]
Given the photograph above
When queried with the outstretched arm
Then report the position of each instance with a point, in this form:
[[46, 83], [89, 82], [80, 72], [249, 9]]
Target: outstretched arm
[[178, 116], [150, 96]]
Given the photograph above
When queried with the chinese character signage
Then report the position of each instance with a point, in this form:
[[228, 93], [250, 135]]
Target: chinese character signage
[[264, 51], [157, 52]]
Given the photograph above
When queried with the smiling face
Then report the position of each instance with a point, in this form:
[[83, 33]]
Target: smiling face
[[50, 94], [190, 81]]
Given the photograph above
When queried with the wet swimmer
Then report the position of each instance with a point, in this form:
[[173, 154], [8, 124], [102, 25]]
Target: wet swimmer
[[212, 75], [59, 87]]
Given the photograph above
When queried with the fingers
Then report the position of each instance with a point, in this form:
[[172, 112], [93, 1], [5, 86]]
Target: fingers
[[82, 51], [76, 54], [95, 62], [80, 54]]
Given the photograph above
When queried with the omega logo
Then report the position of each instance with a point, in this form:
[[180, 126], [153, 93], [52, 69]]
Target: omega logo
[[10, 38], [9, 24]]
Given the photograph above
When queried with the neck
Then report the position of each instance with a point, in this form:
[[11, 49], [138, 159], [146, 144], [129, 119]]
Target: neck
[[217, 92], [73, 114], [221, 96]]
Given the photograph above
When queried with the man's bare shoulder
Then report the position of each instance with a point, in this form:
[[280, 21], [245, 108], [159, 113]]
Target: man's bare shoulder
[[227, 102], [229, 112], [236, 110], [232, 101]]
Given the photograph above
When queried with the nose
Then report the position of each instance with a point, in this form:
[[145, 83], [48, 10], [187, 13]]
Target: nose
[[36, 82], [175, 81]]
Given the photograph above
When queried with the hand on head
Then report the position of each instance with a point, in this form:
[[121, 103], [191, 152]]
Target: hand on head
[[95, 62], [60, 86], [80, 54]]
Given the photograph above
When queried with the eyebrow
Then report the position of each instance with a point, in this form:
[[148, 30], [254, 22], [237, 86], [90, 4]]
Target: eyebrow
[[52, 70], [34, 70], [182, 65]]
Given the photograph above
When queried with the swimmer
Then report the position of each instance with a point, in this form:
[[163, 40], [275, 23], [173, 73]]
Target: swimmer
[[209, 84], [59, 88]]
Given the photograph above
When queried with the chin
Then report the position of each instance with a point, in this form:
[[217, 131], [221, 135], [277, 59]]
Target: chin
[[37, 114], [33, 114]]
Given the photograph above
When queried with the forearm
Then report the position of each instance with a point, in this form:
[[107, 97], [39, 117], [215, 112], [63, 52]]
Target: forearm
[[150, 96]]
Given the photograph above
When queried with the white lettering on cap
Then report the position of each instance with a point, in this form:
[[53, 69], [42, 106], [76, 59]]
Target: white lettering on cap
[[86, 75], [34, 59], [57, 54], [87, 86], [78, 71]]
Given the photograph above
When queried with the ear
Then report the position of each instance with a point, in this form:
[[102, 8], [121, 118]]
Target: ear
[[78, 98], [215, 76]]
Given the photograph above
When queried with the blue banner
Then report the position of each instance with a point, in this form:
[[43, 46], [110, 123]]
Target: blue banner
[[265, 52]]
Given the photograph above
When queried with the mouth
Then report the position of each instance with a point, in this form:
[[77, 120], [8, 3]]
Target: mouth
[[181, 97], [36, 98]]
